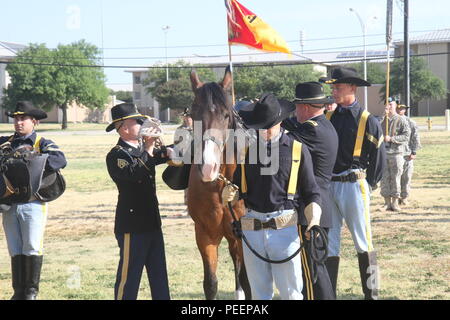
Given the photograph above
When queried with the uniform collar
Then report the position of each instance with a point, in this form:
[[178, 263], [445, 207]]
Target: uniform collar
[[319, 117], [133, 150], [31, 137], [354, 109]]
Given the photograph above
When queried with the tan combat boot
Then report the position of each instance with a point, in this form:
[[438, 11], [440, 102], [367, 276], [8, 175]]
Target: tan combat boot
[[403, 201], [394, 205]]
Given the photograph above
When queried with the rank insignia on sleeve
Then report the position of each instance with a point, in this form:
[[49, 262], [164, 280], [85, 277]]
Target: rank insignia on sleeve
[[121, 163]]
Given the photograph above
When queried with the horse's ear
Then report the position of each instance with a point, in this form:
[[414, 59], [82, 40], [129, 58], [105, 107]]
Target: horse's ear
[[195, 81], [227, 79]]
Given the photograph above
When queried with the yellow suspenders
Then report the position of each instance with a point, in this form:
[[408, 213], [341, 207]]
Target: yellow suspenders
[[295, 166], [37, 143], [293, 178], [360, 134], [329, 114]]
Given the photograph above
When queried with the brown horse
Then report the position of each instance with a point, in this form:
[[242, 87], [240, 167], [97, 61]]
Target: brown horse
[[212, 108]]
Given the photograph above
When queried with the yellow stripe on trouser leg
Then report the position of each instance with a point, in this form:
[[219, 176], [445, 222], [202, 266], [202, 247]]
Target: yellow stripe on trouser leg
[[44, 209], [306, 271], [126, 259], [365, 195]]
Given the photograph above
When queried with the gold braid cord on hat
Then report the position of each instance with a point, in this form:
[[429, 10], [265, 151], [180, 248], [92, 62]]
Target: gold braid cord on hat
[[150, 123]]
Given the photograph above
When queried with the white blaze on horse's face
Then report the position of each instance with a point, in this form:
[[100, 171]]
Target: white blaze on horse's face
[[212, 153], [211, 162]]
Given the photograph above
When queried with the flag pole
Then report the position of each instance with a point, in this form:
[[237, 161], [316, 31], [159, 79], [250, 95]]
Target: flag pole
[[388, 44], [388, 73], [233, 97]]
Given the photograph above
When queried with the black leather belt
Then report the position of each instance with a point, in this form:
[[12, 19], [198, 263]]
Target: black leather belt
[[351, 177]]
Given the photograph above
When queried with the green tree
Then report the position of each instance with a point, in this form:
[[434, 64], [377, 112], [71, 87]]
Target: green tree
[[177, 92], [423, 83], [376, 74], [57, 77], [251, 82], [125, 96]]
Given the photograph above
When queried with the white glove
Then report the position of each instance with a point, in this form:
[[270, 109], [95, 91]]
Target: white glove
[[229, 194], [313, 212], [150, 128]]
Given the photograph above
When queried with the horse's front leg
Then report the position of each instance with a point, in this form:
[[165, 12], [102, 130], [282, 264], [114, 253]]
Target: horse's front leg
[[242, 284], [208, 248]]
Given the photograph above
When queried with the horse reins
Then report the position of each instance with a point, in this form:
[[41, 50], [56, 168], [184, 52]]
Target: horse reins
[[315, 232]]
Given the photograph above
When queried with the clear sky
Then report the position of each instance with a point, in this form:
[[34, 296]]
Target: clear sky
[[131, 31]]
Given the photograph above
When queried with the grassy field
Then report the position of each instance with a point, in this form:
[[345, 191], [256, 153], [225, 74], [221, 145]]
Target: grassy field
[[81, 253]]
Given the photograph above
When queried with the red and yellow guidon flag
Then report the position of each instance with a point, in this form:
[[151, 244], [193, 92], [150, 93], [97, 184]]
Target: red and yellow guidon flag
[[245, 27]]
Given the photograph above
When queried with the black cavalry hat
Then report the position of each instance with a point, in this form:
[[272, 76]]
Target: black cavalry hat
[[266, 112], [27, 108], [311, 93], [345, 75], [124, 111]]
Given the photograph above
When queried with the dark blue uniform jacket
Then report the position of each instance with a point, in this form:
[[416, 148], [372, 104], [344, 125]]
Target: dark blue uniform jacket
[[319, 136], [268, 193], [133, 171]]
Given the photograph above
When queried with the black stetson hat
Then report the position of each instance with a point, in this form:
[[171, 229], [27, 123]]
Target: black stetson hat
[[124, 111], [345, 75], [266, 112], [311, 93], [26, 108]]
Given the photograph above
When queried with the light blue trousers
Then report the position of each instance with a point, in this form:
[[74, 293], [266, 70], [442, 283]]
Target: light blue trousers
[[275, 245], [24, 226], [350, 202]]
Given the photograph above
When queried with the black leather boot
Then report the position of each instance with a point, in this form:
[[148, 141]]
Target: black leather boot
[[18, 275], [33, 266], [332, 264], [368, 269]]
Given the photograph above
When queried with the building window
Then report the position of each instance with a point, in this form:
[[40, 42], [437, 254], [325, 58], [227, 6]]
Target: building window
[[137, 79], [137, 95]]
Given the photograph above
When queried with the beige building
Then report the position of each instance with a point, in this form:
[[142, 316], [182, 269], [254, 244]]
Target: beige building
[[432, 43], [8, 52]]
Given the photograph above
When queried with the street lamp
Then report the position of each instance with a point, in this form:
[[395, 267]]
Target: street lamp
[[363, 27], [165, 29]]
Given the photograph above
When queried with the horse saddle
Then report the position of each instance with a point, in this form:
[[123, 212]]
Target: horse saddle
[[25, 170]]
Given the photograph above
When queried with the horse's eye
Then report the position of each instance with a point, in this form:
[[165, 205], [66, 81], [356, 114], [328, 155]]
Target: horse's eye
[[227, 116]]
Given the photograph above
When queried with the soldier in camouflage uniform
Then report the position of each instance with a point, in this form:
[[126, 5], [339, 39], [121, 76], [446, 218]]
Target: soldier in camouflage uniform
[[182, 139], [396, 142], [409, 156]]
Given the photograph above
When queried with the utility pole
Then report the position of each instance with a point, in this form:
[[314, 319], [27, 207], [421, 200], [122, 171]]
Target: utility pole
[[166, 29], [406, 86], [302, 36]]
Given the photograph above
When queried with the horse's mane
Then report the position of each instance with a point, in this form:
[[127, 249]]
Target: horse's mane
[[214, 98]]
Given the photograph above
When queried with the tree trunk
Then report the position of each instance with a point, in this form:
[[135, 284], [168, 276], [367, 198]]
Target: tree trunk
[[64, 118]]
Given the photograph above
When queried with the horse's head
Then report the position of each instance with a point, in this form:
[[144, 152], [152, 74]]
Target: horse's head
[[212, 108]]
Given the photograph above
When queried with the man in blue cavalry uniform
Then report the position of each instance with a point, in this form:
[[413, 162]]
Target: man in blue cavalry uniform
[[270, 222], [312, 129], [24, 222], [131, 166], [359, 165]]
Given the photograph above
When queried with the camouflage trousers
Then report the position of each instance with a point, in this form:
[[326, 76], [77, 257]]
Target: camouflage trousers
[[391, 180], [408, 169]]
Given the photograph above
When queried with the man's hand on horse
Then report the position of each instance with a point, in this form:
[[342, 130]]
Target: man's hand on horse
[[229, 194], [313, 212]]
